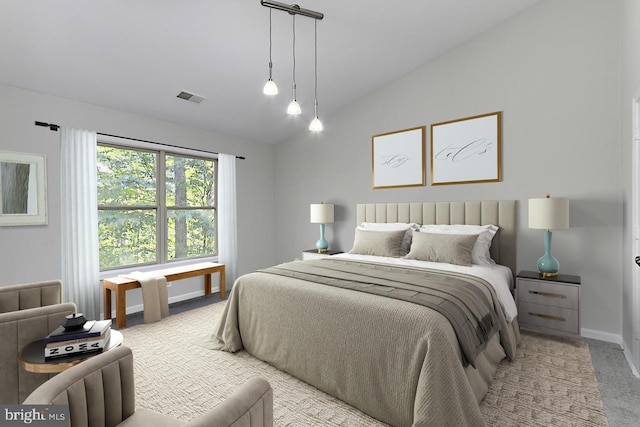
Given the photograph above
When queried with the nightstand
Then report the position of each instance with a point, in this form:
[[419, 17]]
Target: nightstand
[[313, 254], [550, 304]]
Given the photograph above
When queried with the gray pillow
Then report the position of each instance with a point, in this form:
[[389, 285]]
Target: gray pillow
[[380, 243], [449, 248]]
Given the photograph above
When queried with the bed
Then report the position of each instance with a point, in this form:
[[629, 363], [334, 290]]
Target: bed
[[398, 361]]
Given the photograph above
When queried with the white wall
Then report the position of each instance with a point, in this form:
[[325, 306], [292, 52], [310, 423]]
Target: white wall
[[554, 72], [32, 253], [630, 87]]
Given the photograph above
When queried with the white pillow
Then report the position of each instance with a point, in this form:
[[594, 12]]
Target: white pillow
[[393, 226], [480, 254]]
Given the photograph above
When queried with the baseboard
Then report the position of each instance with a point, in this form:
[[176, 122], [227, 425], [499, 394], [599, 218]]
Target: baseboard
[[612, 338], [602, 336], [629, 357], [630, 362]]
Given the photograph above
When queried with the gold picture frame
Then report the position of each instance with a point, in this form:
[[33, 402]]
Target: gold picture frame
[[397, 159], [467, 151]]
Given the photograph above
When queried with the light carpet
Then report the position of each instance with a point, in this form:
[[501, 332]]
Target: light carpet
[[551, 383]]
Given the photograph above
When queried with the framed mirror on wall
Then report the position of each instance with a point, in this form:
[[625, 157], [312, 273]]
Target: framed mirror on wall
[[23, 191]]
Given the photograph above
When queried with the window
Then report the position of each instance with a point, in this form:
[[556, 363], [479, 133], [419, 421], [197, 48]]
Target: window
[[154, 206]]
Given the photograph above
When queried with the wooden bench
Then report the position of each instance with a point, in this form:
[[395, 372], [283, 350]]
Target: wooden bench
[[120, 285]]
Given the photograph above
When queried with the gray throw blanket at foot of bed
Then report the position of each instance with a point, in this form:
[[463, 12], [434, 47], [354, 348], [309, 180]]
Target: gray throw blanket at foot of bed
[[466, 307]]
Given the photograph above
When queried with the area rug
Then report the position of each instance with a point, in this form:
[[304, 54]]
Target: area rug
[[551, 383]]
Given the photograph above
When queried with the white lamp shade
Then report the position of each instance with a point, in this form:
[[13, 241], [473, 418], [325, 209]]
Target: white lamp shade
[[315, 125], [322, 213], [294, 108], [270, 88], [549, 213]]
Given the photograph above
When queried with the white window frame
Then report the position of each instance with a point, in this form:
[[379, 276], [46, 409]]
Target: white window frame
[[131, 143]]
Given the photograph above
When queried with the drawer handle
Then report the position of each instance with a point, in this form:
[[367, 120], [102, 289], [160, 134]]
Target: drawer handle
[[547, 316], [547, 294]]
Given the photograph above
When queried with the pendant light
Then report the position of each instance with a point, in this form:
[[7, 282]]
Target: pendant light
[[294, 107], [316, 124], [270, 87]]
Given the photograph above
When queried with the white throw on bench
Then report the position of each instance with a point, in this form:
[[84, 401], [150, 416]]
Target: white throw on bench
[[155, 296]]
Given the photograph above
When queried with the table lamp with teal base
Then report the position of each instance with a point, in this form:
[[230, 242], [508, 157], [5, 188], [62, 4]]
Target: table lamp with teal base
[[548, 213], [322, 213]]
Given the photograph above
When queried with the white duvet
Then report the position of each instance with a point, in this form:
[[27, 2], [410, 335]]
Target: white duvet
[[499, 276]]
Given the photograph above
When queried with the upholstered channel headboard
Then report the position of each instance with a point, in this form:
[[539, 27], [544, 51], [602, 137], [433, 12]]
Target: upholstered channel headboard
[[482, 212]]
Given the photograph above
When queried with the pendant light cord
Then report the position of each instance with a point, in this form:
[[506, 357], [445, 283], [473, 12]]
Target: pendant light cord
[[294, 57], [270, 63], [315, 59]]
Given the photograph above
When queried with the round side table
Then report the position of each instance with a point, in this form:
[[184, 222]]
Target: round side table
[[31, 357]]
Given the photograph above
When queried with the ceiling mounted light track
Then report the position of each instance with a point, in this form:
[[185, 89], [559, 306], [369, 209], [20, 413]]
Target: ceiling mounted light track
[[293, 9]]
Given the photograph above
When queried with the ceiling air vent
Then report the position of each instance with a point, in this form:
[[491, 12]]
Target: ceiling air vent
[[188, 96]]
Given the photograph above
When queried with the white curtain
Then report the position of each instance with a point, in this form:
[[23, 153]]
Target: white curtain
[[79, 211], [227, 217]]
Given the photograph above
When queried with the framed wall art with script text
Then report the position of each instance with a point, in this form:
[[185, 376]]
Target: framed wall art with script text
[[466, 151], [398, 158]]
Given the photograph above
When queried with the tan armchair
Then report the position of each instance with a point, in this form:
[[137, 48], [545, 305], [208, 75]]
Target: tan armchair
[[28, 312], [101, 391]]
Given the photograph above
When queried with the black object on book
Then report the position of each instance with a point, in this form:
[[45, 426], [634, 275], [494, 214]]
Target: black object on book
[[74, 321], [93, 328]]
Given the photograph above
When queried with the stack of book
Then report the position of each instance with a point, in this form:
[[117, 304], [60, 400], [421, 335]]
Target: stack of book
[[93, 336]]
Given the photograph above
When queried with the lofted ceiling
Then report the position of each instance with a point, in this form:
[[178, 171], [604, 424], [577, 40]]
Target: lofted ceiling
[[137, 56]]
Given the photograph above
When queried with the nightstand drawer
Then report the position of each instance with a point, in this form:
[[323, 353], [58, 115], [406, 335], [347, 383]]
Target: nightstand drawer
[[314, 254], [556, 318], [537, 292]]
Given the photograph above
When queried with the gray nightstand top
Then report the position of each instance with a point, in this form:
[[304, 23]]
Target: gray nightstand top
[[315, 251], [562, 278]]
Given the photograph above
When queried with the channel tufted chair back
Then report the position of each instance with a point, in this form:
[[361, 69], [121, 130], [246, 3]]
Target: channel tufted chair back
[[30, 295], [100, 392], [28, 312]]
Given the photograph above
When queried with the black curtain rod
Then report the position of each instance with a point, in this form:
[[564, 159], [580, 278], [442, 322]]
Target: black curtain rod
[[56, 127]]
